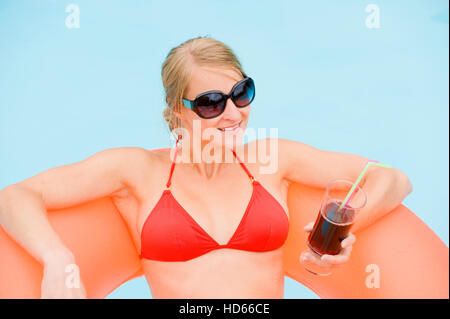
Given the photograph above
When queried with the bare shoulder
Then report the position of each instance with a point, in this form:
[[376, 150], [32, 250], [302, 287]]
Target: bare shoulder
[[137, 152], [263, 144], [274, 143], [262, 156], [287, 149], [277, 154], [135, 163], [127, 157], [262, 150]]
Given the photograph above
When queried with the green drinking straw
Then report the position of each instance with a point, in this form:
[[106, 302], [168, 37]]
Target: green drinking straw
[[350, 193]]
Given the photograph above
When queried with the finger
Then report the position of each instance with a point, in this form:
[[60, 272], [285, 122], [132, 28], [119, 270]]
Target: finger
[[348, 241], [309, 227], [342, 258], [334, 260], [315, 259]]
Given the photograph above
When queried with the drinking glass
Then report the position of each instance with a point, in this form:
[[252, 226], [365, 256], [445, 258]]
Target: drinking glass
[[332, 225]]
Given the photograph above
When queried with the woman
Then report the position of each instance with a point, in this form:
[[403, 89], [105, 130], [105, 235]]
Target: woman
[[204, 229]]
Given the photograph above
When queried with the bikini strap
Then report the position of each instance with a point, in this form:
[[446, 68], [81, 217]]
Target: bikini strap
[[169, 181], [243, 166]]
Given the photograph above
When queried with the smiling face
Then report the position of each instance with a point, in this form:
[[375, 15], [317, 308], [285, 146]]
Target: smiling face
[[231, 124]]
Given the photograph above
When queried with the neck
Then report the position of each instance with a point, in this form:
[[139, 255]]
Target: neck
[[206, 158]]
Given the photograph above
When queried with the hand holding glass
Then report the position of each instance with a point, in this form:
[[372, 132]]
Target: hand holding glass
[[332, 225]]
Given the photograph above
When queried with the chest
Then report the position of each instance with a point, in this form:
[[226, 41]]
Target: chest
[[218, 208], [217, 211]]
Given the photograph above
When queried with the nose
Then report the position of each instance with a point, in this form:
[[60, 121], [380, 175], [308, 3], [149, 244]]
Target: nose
[[231, 112]]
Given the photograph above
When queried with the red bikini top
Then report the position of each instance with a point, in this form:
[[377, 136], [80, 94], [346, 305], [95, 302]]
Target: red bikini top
[[171, 234]]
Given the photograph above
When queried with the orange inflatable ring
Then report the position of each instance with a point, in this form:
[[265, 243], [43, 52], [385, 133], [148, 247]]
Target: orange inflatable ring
[[408, 259]]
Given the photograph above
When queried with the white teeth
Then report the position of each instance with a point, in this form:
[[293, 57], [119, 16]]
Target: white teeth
[[229, 128]]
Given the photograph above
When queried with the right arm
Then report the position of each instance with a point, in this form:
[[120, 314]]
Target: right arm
[[24, 205]]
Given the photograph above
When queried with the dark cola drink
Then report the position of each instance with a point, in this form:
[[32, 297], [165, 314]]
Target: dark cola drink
[[330, 229]]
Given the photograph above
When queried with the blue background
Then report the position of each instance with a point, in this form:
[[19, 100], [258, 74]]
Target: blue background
[[322, 77]]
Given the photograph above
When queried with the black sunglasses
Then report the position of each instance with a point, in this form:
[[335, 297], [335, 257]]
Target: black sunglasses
[[211, 104]]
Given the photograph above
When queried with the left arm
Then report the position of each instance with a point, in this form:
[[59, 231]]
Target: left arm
[[385, 187]]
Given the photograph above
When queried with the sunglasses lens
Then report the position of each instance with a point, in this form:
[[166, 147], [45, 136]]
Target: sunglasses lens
[[244, 93], [210, 105]]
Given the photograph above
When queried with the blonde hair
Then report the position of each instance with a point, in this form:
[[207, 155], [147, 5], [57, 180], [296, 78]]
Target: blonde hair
[[177, 70]]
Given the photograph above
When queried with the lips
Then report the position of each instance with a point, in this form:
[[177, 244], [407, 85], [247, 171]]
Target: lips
[[232, 128]]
